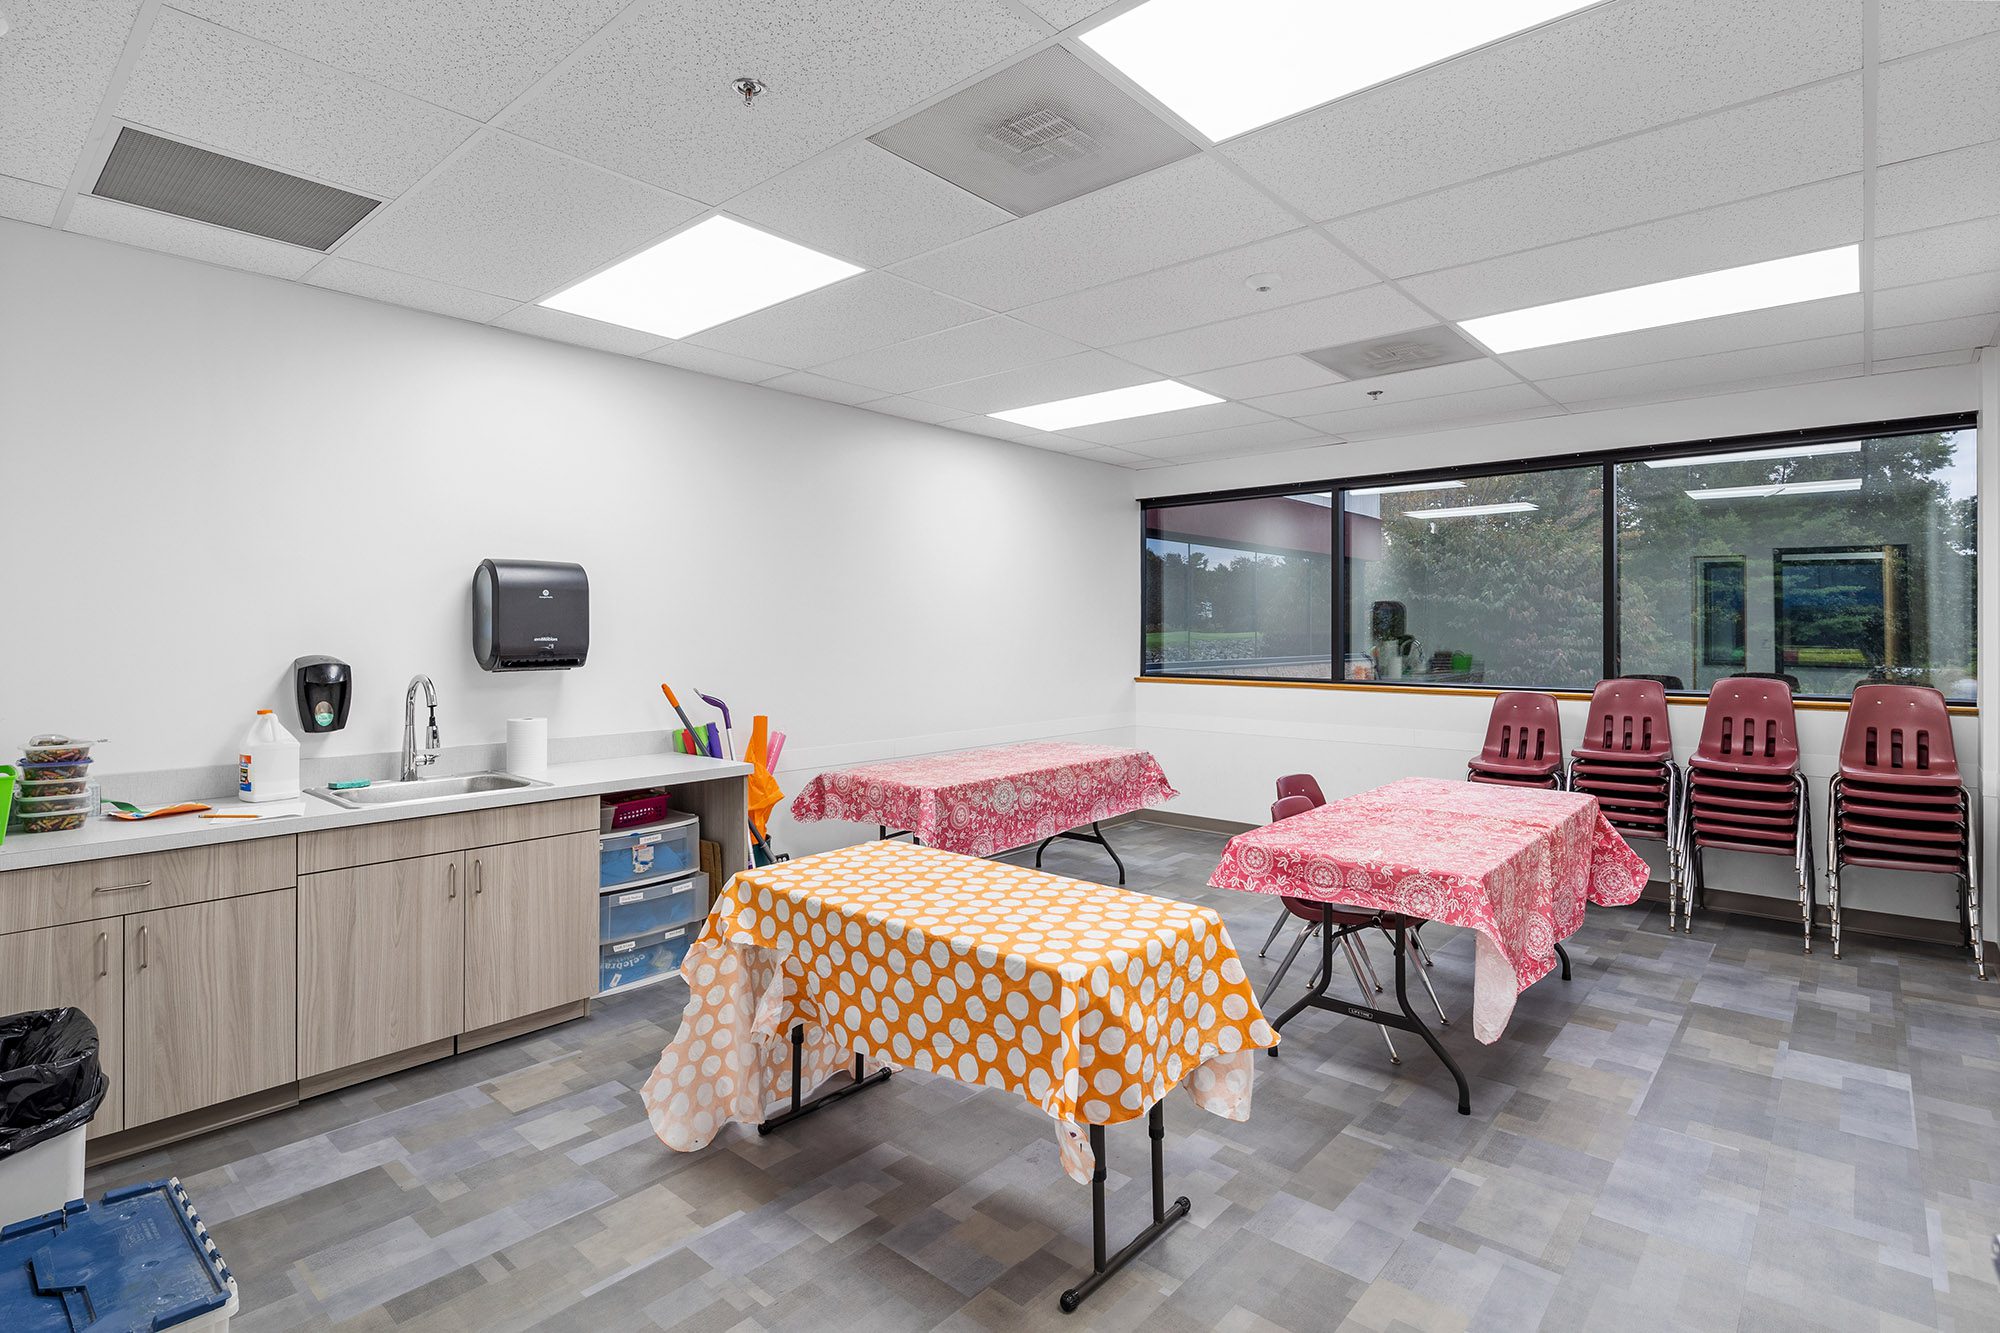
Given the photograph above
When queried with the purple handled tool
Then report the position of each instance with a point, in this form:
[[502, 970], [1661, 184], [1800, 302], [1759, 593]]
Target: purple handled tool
[[728, 727]]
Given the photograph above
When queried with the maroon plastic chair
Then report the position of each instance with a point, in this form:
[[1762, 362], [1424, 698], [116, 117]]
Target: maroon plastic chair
[[1745, 791], [1299, 784], [1523, 743], [1627, 762], [1899, 801]]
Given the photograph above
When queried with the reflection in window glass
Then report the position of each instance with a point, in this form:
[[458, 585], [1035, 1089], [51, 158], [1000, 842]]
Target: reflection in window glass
[[1240, 587], [1487, 580], [1841, 563]]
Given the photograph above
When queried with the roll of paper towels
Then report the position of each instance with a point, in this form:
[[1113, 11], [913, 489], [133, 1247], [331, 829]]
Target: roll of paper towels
[[528, 747]]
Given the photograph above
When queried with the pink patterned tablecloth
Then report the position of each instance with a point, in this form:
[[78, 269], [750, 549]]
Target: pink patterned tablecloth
[[1512, 864], [984, 801]]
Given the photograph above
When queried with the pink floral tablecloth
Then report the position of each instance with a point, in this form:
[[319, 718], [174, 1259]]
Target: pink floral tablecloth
[[1512, 864], [984, 801]]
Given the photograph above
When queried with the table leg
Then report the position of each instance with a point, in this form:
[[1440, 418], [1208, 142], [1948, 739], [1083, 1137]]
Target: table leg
[[803, 1105], [883, 834], [1095, 835], [1103, 1265], [1563, 954]]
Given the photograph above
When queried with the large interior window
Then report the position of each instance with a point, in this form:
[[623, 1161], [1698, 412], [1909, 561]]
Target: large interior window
[[1832, 559]]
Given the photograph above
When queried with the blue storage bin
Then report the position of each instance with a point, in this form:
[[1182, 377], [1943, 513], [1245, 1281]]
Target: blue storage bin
[[645, 909], [627, 963], [654, 852]]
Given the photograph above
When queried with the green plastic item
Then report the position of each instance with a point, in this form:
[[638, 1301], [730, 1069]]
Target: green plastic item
[[7, 776], [349, 786]]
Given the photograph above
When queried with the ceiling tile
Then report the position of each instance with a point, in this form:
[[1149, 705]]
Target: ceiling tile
[[1925, 362], [1254, 437], [1431, 382], [651, 98], [406, 289], [28, 201], [853, 315], [1305, 263], [1193, 207], [1430, 413], [862, 204], [1065, 13], [1938, 101], [1718, 368], [1327, 322], [1813, 217], [969, 351], [55, 64], [473, 56], [210, 86], [1808, 135], [1165, 425], [915, 409], [1257, 379], [563, 327], [1933, 191], [1666, 391], [179, 236], [1008, 430], [1752, 328], [809, 385], [1115, 457], [687, 356], [1938, 252], [1906, 26], [514, 219], [1950, 335], [1611, 71], [1066, 377], [1929, 302]]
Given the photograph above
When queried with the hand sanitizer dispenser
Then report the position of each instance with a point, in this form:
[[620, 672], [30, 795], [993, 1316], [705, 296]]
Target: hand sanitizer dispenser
[[324, 685]]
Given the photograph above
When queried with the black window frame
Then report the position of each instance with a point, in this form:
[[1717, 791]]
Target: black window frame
[[1608, 460]]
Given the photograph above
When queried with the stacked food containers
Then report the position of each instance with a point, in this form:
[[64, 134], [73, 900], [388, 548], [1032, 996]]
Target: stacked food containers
[[54, 790], [652, 895]]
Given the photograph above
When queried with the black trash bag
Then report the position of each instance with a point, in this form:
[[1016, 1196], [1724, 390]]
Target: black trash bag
[[49, 1079]]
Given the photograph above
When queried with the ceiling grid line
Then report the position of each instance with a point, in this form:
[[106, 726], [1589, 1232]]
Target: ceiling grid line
[[1871, 82], [101, 128]]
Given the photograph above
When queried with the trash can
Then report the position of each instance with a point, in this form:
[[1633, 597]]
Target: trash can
[[50, 1087], [137, 1259]]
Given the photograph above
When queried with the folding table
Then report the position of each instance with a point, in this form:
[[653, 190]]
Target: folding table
[[994, 799], [1092, 1002], [1515, 865]]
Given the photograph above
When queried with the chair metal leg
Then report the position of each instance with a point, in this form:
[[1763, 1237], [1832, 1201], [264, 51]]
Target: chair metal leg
[[1423, 954], [1423, 976], [1305, 933], [1284, 915], [1833, 804], [1362, 982], [1360, 946], [1802, 857], [1972, 888]]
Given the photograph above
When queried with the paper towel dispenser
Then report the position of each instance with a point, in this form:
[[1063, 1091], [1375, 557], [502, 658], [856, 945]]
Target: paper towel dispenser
[[530, 615]]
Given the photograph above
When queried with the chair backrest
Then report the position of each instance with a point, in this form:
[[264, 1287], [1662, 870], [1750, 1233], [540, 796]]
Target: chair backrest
[[1301, 784], [1791, 681], [1749, 721], [1524, 727], [1628, 714], [1287, 806], [1899, 731]]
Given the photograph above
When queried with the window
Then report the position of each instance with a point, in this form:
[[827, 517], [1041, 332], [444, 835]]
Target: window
[[1832, 558]]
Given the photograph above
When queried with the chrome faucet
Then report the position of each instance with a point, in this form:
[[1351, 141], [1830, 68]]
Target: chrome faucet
[[412, 756]]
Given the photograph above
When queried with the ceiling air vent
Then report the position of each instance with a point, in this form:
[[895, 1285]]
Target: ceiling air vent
[[170, 177], [1415, 350], [1040, 132]]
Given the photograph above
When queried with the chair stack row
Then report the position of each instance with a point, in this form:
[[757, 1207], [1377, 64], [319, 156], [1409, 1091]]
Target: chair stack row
[[1627, 763], [1745, 790]]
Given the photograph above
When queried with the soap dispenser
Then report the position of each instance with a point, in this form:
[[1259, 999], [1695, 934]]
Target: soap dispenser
[[324, 685]]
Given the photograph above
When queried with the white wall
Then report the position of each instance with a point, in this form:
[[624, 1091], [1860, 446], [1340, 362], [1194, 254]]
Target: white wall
[[206, 473]]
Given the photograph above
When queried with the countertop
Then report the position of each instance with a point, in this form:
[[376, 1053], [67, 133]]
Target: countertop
[[101, 838]]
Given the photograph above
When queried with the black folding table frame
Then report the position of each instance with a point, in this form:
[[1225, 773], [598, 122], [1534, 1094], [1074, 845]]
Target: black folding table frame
[[883, 833]]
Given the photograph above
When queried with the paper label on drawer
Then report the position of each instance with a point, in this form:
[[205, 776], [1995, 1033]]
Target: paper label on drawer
[[638, 897], [625, 946], [647, 840]]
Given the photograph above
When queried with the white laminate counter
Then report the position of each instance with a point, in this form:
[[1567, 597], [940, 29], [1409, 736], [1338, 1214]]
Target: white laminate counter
[[101, 837]]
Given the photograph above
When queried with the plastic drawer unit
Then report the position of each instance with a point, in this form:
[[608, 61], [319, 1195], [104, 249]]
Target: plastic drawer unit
[[654, 852], [645, 909], [625, 964]]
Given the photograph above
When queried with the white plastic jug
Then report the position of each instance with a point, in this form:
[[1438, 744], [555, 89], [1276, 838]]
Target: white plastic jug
[[269, 770]]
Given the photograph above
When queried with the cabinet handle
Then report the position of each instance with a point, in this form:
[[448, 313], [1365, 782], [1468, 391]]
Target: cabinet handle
[[451, 878], [121, 888], [478, 877], [142, 948], [103, 954]]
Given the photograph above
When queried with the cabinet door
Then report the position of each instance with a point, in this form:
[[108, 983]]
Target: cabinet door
[[381, 960], [79, 966], [530, 927], [211, 1003]]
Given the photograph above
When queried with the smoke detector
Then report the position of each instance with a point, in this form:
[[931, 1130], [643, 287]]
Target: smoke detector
[[1261, 282]]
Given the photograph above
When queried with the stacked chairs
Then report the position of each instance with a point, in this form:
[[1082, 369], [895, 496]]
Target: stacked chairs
[[1523, 743], [1627, 762], [1898, 802], [1745, 791]]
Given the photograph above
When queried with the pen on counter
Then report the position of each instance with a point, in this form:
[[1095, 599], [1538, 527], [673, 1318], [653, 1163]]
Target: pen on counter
[[232, 816]]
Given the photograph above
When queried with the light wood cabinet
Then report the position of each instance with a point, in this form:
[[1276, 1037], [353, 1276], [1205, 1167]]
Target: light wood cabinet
[[403, 839], [531, 927], [381, 960], [211, 995], [121, 885], [82, 967]]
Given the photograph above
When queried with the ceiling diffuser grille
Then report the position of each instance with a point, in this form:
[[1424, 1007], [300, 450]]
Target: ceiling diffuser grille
[[1040, 132], [1416, 350], [170, 177]]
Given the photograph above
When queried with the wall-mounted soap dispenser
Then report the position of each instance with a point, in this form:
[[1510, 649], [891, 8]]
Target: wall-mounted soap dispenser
[[324, 685]]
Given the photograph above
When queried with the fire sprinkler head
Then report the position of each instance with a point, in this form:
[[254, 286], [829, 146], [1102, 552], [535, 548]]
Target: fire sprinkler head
[[748, 89], [1261, 282]]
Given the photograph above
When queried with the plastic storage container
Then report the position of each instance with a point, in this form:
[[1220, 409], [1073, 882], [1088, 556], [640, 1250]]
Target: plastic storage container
[[139, 1258], [56, 750], [33, 772], [50, 1089], [33, 788], [625, 913], [628, 963], [629, 809], [269, 767], [654, 852]]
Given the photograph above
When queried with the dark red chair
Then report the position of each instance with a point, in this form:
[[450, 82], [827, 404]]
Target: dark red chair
[[1745, 791], [1899, 801], [1523, 743], [1627, 762], [1292, 784]]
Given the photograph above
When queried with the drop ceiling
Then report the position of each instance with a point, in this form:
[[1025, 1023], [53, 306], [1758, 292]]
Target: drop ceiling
[[519, 146]]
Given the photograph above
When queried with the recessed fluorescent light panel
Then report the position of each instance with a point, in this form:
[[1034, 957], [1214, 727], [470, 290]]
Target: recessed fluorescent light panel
[[1729, 291], [1412, 486], [707, 275], [1141, 400], [1228, 68], [1759, 455], [1472, 511], [1777, 488]]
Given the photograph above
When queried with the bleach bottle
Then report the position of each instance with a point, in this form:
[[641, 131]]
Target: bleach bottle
[[269, 767]]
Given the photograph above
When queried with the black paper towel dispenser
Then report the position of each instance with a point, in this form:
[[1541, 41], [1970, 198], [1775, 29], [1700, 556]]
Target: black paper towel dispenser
[[530, 615]]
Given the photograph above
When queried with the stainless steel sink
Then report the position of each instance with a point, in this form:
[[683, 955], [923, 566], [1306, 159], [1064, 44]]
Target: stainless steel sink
[[424, 789]]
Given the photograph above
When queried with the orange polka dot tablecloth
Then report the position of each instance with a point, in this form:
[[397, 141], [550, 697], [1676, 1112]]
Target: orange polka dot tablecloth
[[1091, 1002]]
